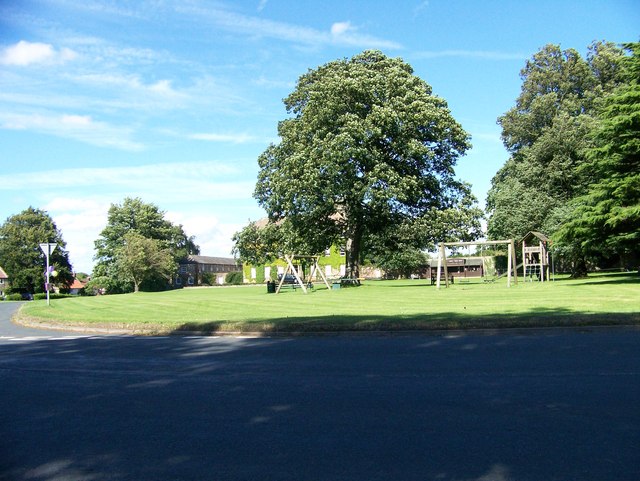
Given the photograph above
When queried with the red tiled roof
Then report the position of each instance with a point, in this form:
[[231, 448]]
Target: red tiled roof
[[76, 284]]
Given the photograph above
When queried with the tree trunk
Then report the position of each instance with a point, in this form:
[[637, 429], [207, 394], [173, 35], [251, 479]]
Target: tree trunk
[[579, 268], [352, 251]]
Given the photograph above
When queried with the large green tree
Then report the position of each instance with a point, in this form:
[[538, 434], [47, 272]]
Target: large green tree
[[547, 136], [147, 220], [367, 151], [21, 256], [607, 217]]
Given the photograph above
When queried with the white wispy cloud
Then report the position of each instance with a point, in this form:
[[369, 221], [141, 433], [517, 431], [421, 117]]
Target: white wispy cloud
[[340, 28], [241, 138], [254, 26], [211, 180], [82, 128], [212, 234], [81, 223], [81, 219], [477, 54], [421, 7], [26, 53]]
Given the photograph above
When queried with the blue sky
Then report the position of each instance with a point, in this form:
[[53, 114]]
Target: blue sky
[[173, 101]]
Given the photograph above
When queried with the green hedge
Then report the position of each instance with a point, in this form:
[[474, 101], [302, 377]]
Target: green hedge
[[234, 278]]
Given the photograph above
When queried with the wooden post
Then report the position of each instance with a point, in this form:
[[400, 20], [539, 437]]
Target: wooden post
[[446, 269], [440, 255], [293, 271], [543, 264], [509, 266], [317, 269], [512, 246]]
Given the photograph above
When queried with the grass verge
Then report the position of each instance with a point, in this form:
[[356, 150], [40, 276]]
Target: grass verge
[[612, 299]]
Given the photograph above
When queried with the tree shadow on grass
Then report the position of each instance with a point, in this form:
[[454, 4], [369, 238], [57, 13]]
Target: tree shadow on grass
[[540, 318], [625, 278]]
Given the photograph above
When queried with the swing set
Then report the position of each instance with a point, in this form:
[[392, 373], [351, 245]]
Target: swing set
[[294, 260], [511, 260]]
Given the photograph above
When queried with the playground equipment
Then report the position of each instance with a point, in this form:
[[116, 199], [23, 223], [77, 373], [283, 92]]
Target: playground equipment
[[291, 270], [442, 259], [535, 256]]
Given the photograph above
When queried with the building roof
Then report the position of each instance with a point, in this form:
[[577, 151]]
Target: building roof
[[3, 274], [459, 261], [225, 261], [539, 235], [77, 284]]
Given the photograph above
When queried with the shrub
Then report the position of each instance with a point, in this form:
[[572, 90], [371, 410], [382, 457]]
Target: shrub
[[14, 297], [43, 295], [234, 278], [209, 279]]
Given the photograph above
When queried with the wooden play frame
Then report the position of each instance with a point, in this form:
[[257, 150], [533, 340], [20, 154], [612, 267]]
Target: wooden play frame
[[289, 258], [511, 258]]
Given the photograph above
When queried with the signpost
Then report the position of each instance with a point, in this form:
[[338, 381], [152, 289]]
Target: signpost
[[48, 248]]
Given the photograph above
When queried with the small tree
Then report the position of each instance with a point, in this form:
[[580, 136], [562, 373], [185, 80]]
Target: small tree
[[143, 259], [147, 220]]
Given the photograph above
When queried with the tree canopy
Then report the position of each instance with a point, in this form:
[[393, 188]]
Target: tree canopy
[[142, 259], [21, 256], [607, 217], [547, 133], [146, 220], [367, 153]]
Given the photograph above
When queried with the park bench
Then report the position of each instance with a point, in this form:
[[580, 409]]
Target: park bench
[[290, 282], [442, 278]]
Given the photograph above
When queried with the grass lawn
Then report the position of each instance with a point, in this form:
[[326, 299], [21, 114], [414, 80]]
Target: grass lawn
[[606, 299]]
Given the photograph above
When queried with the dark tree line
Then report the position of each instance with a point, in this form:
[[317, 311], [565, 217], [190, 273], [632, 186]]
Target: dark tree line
[[553, 134]]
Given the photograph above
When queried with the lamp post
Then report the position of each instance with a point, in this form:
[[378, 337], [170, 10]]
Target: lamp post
[[47, 248]]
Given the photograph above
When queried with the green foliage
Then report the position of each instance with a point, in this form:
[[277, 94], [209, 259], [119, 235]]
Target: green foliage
[[142, 259], [148, 221], [262, 243], [234, 278], [21, 256], [52, 295], [548, 135], [401, 264], [607, 216], [368, 149]]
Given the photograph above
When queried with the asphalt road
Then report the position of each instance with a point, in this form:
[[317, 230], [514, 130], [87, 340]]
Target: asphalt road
[[543, 405]]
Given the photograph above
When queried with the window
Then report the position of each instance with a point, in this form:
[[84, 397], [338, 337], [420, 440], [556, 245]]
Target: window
[[178, 281], [327, 252], [342, 251], [183, 269], [190, 281]]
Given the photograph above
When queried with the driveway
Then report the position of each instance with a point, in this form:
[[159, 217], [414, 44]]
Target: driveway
[[545, 405]]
